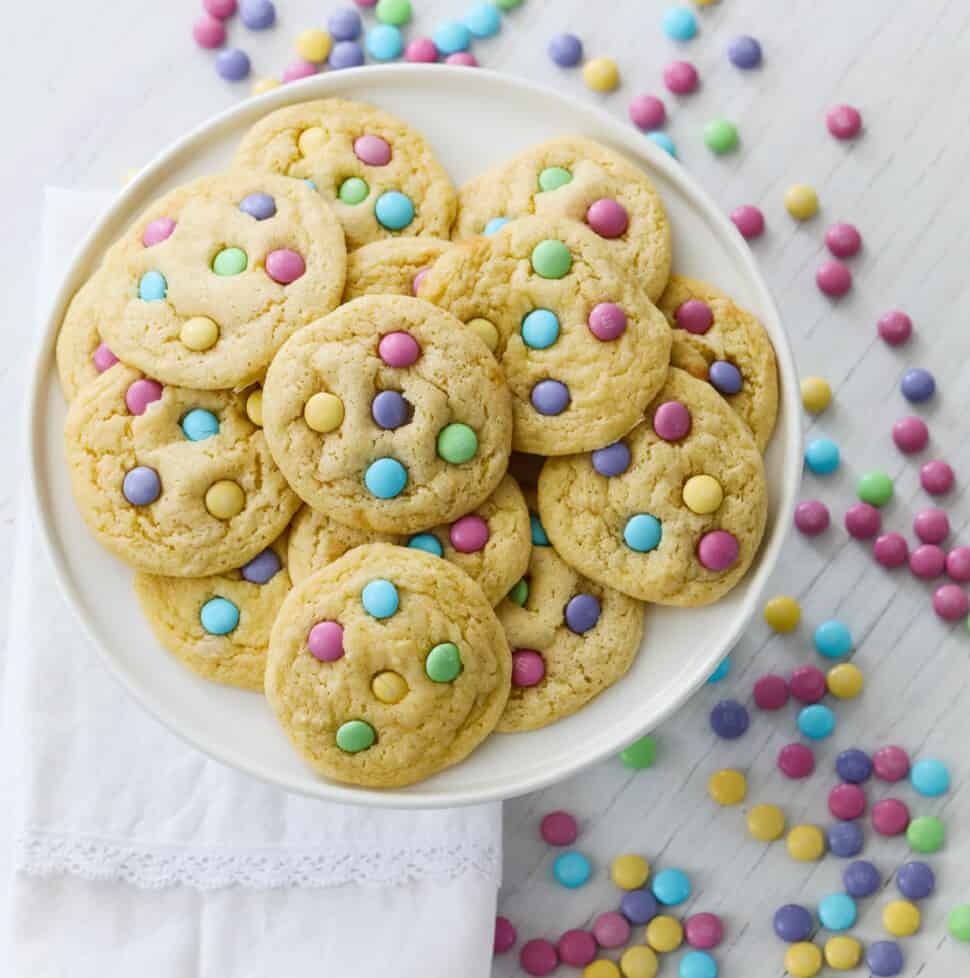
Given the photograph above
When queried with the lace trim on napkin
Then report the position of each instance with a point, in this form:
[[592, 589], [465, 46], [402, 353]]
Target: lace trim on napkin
[[154, 867]]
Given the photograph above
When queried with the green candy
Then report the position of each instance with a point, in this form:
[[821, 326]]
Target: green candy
[[875, 488], [721, 136], [554, 177], [457, 443], [353, 190], [354, 736], [230, 261], [925, 834], [551, 259], [959, 922], [507, 4], [520, 592], [641, 753], [396, 12], [443, 663]]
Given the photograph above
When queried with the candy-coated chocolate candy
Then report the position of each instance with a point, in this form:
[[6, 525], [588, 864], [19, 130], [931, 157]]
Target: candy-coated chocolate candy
[[398, 349], [793, 923], [263, 85], [930, 777], [550, 397], [103, 358], [927, 561], [601, 74], [538, 957], [355, 736], [451, 37], [875, 488], [607, 217], [427, 542], [199, 424], [845, 681], [346, 54], [576, 948], [720, 136], [257, 15], [380, 598], [220, 8], [285, 265], [721, 672], [680, 23], [958, 922], [950, 602], [421, 50], [697, 964], [891, 763], [344, 25], [917, 385], [860, 879], [664, 141], [783, 613], [822, 456], [483, 20], [766, 823], [642, 532], [729, 719], [638, 961], [749, 220], [528, 667], [884, 959], [718, 550], [843, 121], [681, 77], [254, 407], [703, 930], [910, 434], [816, 721], [326, 641], [845, 839], [702, 494], [647, 112], [582, 613], [801, 201], [389, 409], [395, 12], [638, 906], [539, 537], [843, 240], [469, 534], [895, 327], [832, 639], [671, 887], [837, 911], [847, 801], [936, 477], [958, 564], [572, 869], [727, 787], [843, 953], [611, 929], [806, 843], [891, 550], [566, 50], [606, 321], [807, 684], [558, 828], [313, 45], [853, 765], [862, 521], [233, 64], [505, 935], [925, 834], [770, 692], [230, 261], [671, 421], [157, 231], [152, 287], [225, 499], [915, 880], [353, 190], [694, 316], [386, 478], [601, 968], [725, 377], [640, 754], [141, 393], [324, 412], [540, 329], [630, 871], [554, 177], [209, 32], [744, 52], [443, 663], [457, 443], [462, 58], [219, 616], [199, 333], [262, 568], [811, 517], [665, 933], [890, 816], [901, 918], [551, 259], [816, 394], [394, 210]]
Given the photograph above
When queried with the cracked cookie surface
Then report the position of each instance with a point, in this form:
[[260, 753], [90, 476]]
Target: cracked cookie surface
[[391, 267]]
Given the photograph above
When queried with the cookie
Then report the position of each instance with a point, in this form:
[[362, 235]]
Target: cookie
[[387, 415], [491, 545], [173, 481], [377, 173], [673, 513], [581, 346], [570, 638], [585, 181], [81, 353], [219, 626], [387, 666], [211, 279], [391, 267], [718, 341]]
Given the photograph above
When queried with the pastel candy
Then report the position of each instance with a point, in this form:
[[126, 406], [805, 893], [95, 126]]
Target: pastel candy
[[219, 616], [285, 265], [262, 568], [326, 641], [258, 206], [141, 486], [469, 534], [372, 150], [157, 231]]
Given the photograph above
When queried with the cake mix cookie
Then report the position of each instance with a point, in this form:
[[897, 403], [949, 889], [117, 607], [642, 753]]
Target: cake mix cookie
[[210, 280], [219, 626], [387, 415], [377, 173], [584, 181], [173, 481], [581, 346], [491, 545], [391, 267], [674, 512], [82, 355], [718, 341], [570, 638], [387, 666]]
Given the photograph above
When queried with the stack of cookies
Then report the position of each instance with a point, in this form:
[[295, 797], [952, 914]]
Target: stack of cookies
[[412, 462]]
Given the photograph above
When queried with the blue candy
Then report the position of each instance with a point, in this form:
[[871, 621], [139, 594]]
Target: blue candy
[[822, 456], [152, 287], [495, 224], [219, 616], [199, 424], [394, 210], [540, 329], [698, 964], [816, 721], [642, 532], [386, 478], [539, 538], [427, 542], [721, 672], [572, 869], [930, 778], [380, 598], [384, 42], [837, 911], [671, 886], [832, 639], [483, 20], [451, 37], [664, 141], [680, 24]]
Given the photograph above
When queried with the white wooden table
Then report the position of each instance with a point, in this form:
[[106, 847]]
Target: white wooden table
[[90, 90]]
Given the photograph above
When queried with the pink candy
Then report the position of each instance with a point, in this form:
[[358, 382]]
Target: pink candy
[[141, 393], [326, 641], [577, 948], [209, 32], [647, 112], [372, 150], [950, 602], [398, 349], [843, 121], [505, 934], [890, 763], [808, 684], [538, 958], [833, 278], [770, 692], [671, 421], [418, 279], [469, 534], [927, 561], [681, 77], [103, 358], [847, 801], [718, 550], [863, 521], [890, 816], [421, 50], [298, 70], [559, 828], [606, 321], [607, 218], [936, 477], [611, 929], [843, 240], [811, 517], [749, 221], [931, 525], [528, 667], [703, 930], [911, 434], [958, 564], [895, 327], [220, 8], [285, 266], [796, 761], [157, 231], [465, 58], [694, 316], [891, 550]]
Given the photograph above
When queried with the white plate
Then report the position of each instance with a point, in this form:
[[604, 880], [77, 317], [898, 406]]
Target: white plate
[[473, 118]]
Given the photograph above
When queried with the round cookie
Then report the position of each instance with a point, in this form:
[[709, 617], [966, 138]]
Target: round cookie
[[570, 638], [387, 666], [82, 355], [495, 541], [210, 280], [391, 267], [709, 329], [675, 512], [581, 346], [585, 181], [377, 173], [173, 481], [219, 626], [387, 415]]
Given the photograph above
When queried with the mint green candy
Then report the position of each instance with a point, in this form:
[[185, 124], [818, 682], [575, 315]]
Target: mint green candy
[[353, 191], [395, 12], [875, 488], [520, 592], [641, 753], [230, 261], [925, 834], [551, 259], [443, 663], [457, 443], [554, 177], [721, 136], [959, 922], [355, 736], [507, 4]]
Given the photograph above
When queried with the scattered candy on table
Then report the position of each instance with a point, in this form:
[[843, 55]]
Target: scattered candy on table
[[837, 911], [925, 834], [958, 922], [646, 111], [884, 959], [721, 672], [640, 754], [664, 141], [729, 719], [910, 434], [783, 613], [845, 681], [538, 957], [927, 561], [833, 639], [665, 933], [917, 385], [566, 50], [822, 456], [875, 488], [671, 887], [630, 871], [601, 74], [744, 52], [843, 240], [505, 935], [680, 23], [726, 787], [915, 880], [842, 953], [895, 327], [721, 136], [638, 961], [808, 684], [803, 960], [843, 121], [845, 839], [816, 394], [257, 15], [930, 777], [816, 721], [901, 918], [890, 816], [936, 477], [558, 828], [749, 220], [806, 843], [796, 761], [766, 823], [861, 879], [801, 202], [681, 77], [811, 517], [833, 278], [572, 869], [770, 692]]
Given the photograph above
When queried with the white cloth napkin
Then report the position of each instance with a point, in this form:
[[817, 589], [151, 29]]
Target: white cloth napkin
[[133, 854]]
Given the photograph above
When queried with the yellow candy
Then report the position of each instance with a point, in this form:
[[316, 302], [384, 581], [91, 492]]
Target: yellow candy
[[324, 412], [601, 74], [664, 933], [224, 499], [389, 687], [312, 141], [630, 872], [702, 494], [727, 787], [766, 822], [313, 45], [783, 613], [806, 843], [816, 394], [901, 918], [704, 3], [638, 962], [601, 968], [265, 85], [199, 333], [803, 960], [843, 953], [801, 201], [845, 681], [254, 407], [485, 331]]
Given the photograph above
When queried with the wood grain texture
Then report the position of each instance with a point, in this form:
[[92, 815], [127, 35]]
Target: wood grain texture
[[91, 90]]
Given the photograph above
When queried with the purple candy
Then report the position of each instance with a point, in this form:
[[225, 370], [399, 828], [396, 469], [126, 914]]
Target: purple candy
[[638, 906], [550, 397], [884, 959], [258, 206], [390, 410], [262, 568], [917, 385], [141, 486], [725, 377], [257, 15], [612, 460], [853, 765], [915, 881], [793, 923], [566, 50], [860, 879], [744, 52], [344, 25], [729, 719], [346, 54], [232, 64], [582, 613], [845, 839], [671, 421]]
